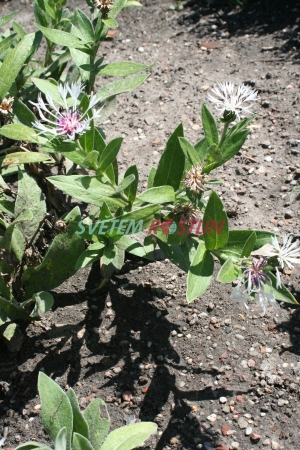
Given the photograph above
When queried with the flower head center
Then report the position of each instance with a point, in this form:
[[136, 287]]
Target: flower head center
[[68, 122], [255, 274]]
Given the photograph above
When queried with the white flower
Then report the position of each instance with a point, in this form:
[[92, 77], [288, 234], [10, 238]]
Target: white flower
[[229, 98], [287, 254], [70, 122], [256, 278]]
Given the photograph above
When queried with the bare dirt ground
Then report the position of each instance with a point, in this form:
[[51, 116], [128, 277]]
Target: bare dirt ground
[[210, 375]]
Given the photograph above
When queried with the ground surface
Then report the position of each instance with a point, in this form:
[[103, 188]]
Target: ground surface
[[209, 374]]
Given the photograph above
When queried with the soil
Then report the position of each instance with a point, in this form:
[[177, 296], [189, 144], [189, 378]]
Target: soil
[[209, 374]]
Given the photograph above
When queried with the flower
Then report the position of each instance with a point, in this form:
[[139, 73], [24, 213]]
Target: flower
[[69, 122], [184, 211], [104, 6], [256, 278], [287, 254], [6, 106], [194, 179], [229, 98]]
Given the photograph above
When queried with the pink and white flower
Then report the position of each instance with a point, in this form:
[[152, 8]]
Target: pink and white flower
[[68, 122]]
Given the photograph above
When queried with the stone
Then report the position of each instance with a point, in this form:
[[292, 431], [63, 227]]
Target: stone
[[141, 49], [242, 423], [224, 429], [275, 445], [266, 443], [281, 402], [222, 399], [240, 398], [212, 418], [234, 445], [251, 363], [248, 431], [226, 409], [127, 396], [288, 214], [222, 447], [255, 437]]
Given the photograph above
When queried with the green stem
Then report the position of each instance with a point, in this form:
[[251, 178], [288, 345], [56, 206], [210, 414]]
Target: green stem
[[226, 125]]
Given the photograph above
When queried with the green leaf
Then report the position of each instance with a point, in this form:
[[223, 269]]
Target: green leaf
[[98, 427], [132, 3], [234, 246], [262, 238], [22, 113], [210, 127], [56, 408], [13, 63], [110, 22], [217, 234], [201, 148], [171, 165], [90, 255], [228, 272], [127, 181], [9, 331], [229, 148], [81, 443], [106, 110], [19, 30], [4, 290], [79, 423], [59, 262], [129, 437], [117, 7], [282, 294], [131, 190], [157, 195], [30, 197], [5, 19], [249, 245], [233, 144], [240, 125], [43, 302], [174, 254], [109, 154], [81, 59], [118, 87], [90, 161], [13, 310], [85, 25], [61, 37], [20, 132], [48, 88], [88, 189], [135, 248], [112, 260], [31, 445], [61, 440], [23, 158], [121, 69], [151, 177], [200, 273], [189, 152], [6, 43]]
